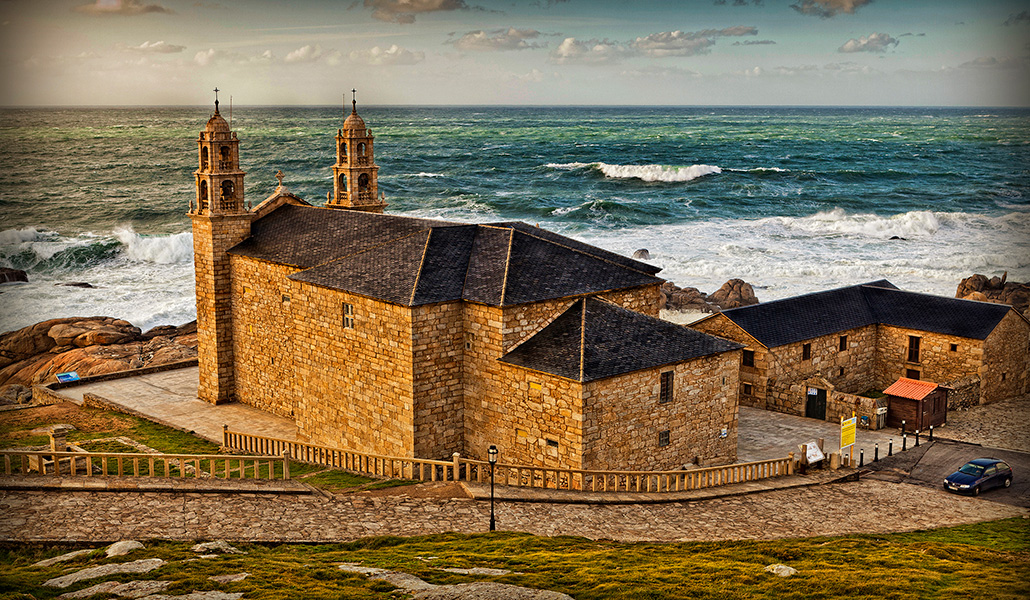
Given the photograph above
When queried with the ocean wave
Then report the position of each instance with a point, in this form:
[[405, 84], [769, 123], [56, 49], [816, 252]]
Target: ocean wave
[[160, 249], [13, 237], [919, 223], [649, 173]]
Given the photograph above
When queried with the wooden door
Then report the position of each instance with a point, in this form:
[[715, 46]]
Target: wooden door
[[815, 406]]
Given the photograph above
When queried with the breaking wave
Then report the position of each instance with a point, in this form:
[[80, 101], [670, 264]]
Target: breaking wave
[[649, 173]]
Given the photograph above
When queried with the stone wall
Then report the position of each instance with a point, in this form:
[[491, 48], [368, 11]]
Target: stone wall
[[937, 361], [1006, 360], [437, 343], [964, 392], [623, 417], [212, 237], [263, 335], [354, 385], [842, 405]]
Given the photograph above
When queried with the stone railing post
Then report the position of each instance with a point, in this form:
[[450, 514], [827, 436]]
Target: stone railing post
[[457, 465]]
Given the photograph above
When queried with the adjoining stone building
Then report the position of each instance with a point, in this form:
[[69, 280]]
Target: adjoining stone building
[[415, 337], [811, 354]]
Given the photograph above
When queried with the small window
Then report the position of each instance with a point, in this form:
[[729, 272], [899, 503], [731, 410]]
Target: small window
[[840, 372], [747, 359], [348, 316], [806, 352], [552, 443], [748, 390], [286, 298], [1003, 376], [843, 345], [469, 339], [954, 347], [912, 373], [913, 348], [663, 438], [665, 389]]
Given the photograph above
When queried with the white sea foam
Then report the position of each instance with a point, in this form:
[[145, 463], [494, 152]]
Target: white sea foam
[[13, 237], [160, 249], [648, 173]]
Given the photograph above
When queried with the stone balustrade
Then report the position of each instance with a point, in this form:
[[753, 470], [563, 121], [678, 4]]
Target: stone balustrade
[[118, 464]]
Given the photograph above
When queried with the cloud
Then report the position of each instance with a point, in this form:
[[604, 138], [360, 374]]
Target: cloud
[[680, 43], [156, 48], [658, 73], [588, 52], [754, 43], [1022, 17], [874, 42], [404, 11], [828, 8], [121, 7], [990, 62], [780, 71], [907, 34], [212, 56], [848, 67], [304, 54], [394, 55], [510, 39]]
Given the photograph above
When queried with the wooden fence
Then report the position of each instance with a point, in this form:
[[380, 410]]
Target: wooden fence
[[466, 469], [117, 464]]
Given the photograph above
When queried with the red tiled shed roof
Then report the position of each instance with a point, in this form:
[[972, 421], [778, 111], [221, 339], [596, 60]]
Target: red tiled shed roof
[[911, 388]]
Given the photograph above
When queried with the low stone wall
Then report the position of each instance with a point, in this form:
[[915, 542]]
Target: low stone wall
[[841, 405], [964, 392]]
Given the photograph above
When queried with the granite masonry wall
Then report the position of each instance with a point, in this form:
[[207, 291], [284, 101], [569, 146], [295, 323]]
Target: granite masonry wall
[[1006, 360], [263, 335], [437, 343], [938, 362], [354, 383], [212, 236], [623, 417]]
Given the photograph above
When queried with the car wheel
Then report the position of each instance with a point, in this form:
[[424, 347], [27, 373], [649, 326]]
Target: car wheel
[[976, 491], [1008, 481]]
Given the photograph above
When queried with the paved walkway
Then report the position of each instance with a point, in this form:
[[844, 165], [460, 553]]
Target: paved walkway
[[170, 398], [867, 506]]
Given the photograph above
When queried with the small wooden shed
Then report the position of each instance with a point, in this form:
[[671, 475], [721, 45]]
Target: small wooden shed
[[918, 403]]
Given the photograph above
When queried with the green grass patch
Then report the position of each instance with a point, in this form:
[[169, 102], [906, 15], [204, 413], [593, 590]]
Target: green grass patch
[[987, 560], [872, 393]]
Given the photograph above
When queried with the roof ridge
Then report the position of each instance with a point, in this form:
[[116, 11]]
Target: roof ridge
[[421, 263], [857, 286], [507, 263]]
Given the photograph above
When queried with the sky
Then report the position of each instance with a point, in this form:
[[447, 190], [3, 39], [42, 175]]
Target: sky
[[539, 52]]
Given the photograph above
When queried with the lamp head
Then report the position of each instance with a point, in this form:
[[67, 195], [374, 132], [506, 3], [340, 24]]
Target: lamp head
[[493, 454]]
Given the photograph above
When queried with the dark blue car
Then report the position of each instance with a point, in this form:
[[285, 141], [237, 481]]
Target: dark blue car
[[979, 475]]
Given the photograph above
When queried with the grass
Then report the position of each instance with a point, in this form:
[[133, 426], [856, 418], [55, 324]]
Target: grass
[[985, 560], [90, 424], [872, 393]]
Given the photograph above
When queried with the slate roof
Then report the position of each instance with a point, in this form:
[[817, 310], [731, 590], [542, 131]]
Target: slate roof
[[594, 339], [416, 261], [813, 315]]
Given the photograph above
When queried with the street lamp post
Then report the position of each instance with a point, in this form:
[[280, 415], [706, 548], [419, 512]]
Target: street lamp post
[[492, 452]]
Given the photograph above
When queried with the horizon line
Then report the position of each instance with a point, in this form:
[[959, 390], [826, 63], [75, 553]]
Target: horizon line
[[523, 105]]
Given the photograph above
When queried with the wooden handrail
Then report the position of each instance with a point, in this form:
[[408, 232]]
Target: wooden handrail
[[467, 469]]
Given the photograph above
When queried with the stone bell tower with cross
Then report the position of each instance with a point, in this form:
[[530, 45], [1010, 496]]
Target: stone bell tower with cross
[[355, 174], [220, 221]]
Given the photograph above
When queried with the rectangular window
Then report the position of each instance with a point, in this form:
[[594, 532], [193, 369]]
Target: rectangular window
[[840, 372], [748, 390], [954, 347], [665, 389], [552, 443], [843, 345], [663, 438], [747, 359], [912, 373], [348, 316], [806, 352], [286, 298], [913, 348]]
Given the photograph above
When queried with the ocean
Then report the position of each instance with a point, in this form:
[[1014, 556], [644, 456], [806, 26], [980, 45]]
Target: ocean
[[792, 200]]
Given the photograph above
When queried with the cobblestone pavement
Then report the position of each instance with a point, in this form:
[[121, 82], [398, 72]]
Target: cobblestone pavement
[[867, 506], [1004, 424]]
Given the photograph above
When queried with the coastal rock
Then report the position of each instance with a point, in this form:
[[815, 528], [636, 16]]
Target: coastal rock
[[15, 394], [8, 275], [137, 566], [78, 284], [732, 294], [995, 289], [123, 547], [89, 346], [642, 254], [781, 570]]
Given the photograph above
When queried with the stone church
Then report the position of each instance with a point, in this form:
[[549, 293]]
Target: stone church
[[414, 337]]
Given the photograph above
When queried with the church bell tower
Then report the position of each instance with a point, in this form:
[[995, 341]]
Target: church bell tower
[[220, 221], [355, 174]]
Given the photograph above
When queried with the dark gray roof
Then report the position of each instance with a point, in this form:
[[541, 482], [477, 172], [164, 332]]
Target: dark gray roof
[[414, 261], [813, 315], [594, 339]]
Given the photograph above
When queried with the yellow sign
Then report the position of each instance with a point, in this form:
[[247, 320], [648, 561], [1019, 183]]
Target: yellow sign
[[847, 431]]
